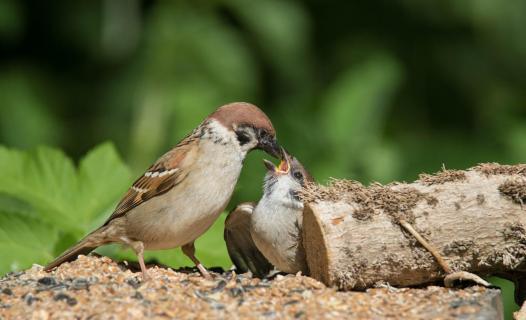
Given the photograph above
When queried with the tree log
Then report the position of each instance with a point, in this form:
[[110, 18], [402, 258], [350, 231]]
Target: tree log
[[474, 218]]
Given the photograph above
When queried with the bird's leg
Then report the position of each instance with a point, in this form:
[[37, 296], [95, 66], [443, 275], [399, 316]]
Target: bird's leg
[[451, 276], [138, 247], [189, 251]]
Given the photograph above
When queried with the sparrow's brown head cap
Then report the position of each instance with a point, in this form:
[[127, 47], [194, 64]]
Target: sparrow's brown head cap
[[243, 113]]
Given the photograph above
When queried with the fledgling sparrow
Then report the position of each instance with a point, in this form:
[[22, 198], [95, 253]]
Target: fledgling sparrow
[[273, 228], [179, 197]]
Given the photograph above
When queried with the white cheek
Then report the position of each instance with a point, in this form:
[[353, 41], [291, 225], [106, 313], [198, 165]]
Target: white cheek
[[249, 146]]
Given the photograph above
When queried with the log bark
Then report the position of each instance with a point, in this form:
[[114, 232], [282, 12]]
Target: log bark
[[475, 218]]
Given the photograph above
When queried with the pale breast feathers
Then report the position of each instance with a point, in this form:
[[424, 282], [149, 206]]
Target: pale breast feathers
[[170, 170]]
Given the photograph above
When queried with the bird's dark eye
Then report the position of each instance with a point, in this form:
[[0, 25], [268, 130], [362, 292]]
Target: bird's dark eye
[[297, 175], [263, 133]]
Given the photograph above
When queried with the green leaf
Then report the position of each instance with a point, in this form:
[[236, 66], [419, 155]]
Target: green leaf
[[24, 240], [47, 180], [44, 198]]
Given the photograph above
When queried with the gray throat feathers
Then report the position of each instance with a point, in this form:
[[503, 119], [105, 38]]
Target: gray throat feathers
[[278, 191]]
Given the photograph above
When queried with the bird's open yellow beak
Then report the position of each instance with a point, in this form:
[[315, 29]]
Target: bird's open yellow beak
[[283, 167]]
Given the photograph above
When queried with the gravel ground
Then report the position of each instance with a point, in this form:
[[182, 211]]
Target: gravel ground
[[98, 288]]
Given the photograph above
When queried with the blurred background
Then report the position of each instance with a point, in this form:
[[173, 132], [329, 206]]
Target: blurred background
[[369, 90]]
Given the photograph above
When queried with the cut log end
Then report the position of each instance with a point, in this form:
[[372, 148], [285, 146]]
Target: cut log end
[[315, 246]]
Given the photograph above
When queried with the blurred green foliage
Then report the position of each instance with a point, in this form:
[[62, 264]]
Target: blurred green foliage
[[375, 91]]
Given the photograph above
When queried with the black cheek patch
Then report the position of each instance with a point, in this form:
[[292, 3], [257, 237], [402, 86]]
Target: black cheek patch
[[242, 137]]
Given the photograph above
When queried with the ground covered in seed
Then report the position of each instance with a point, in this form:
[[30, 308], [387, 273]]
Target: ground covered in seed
[[99, 288]]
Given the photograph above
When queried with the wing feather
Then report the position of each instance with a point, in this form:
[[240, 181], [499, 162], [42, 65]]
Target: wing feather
[[163, 175]]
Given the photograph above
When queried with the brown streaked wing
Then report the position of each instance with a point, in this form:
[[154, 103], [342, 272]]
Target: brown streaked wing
[[162, 176]]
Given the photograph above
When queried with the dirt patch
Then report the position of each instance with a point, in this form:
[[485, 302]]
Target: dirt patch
[[490, 169], [93, 287], [514, 232], [392, 199], [461, 254], [363, 213], [480, 199], [511, 256], [397, 203], [341, 190], [515, 189], [349, 276], [335, 190], [458, 247], [442, 177]]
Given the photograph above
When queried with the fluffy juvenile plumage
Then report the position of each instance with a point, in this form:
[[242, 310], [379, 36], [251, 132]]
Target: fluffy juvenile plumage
[[179, 197], [274, 224]]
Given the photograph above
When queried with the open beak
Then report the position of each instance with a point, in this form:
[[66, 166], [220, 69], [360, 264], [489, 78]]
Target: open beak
[[283, 167]]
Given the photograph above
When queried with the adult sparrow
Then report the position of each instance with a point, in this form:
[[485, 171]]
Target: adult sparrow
[[180, 196], [271, 231]]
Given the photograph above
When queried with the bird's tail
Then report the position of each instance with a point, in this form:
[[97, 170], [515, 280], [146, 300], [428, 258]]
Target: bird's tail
[[84, 246]]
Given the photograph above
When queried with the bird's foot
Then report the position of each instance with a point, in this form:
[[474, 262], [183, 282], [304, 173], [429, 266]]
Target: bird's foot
[[203, 271], [189, 251], [145, 275]]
